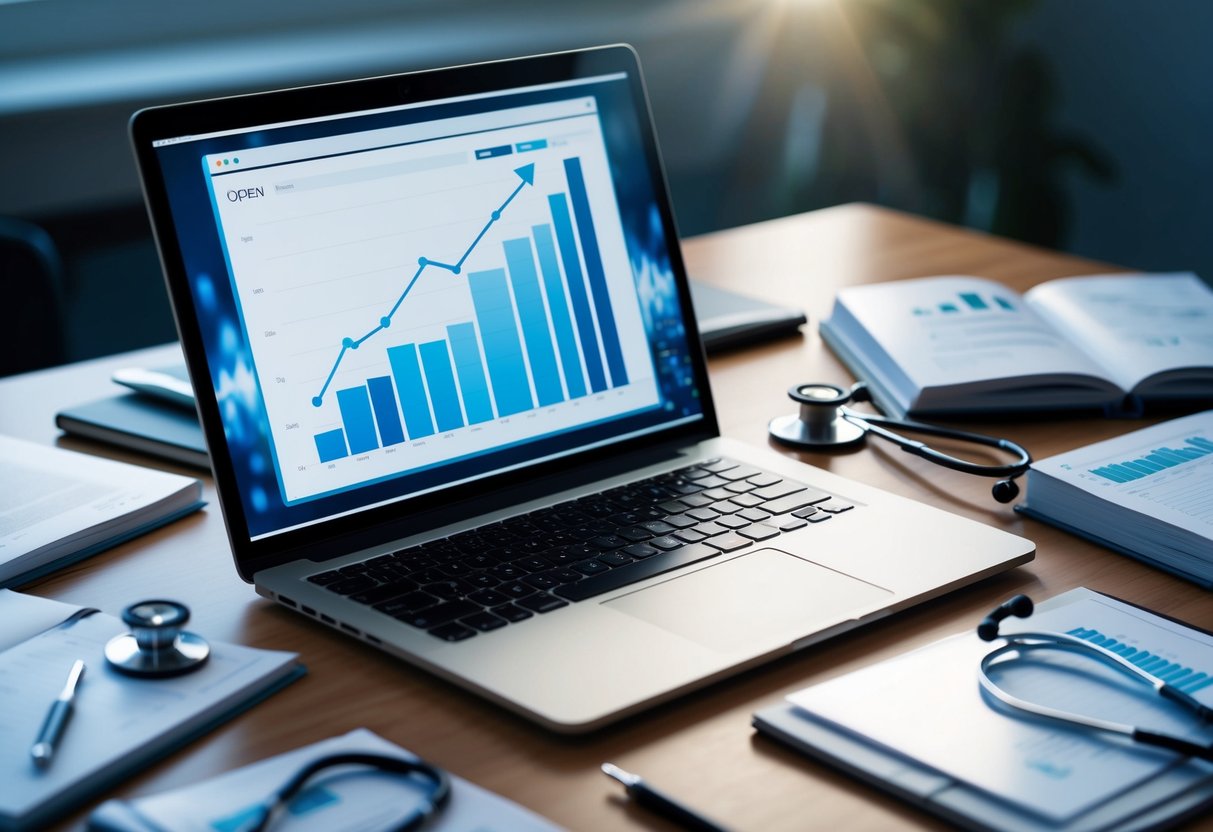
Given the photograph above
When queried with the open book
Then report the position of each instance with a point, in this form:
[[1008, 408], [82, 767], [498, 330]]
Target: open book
[[121, 724], [956, 345]]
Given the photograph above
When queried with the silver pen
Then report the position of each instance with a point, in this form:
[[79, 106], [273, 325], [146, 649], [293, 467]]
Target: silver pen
[[43, 750]]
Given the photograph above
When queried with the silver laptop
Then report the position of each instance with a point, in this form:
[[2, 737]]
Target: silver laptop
[[457, 406]]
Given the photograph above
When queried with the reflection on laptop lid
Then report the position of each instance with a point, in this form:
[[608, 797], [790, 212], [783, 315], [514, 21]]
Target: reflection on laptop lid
[[440, 334]]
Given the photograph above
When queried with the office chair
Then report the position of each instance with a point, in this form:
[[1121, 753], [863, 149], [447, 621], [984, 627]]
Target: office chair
[[31, 278]]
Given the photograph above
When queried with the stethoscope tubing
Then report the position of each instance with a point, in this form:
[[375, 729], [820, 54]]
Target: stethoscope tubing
[[874, 423]]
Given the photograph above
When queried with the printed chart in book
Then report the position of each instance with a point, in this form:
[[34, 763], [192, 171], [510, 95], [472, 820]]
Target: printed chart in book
[[957, 344], [410, 304], [1148, 494]]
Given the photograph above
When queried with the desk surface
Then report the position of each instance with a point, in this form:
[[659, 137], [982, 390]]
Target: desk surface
[[701, 748]]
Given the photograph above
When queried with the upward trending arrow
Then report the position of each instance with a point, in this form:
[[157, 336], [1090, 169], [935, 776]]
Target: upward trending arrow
[[527, 173]]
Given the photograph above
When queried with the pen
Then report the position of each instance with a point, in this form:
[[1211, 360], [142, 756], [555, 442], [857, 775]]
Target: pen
[[658, 803], [56, 719]]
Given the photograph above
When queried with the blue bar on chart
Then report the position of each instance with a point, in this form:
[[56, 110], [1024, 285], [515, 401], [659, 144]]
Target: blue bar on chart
[[466, 352], [355, 406], [409, 385], [502, 347], [1173, 673], [330, 445], [576, 283], [566, 343], [1004, 303], [537, 144], [948, 307], [383, 400], [493, 152], [595, 272], [534, 318], [973, 300], [1156, 460], [443, 393]]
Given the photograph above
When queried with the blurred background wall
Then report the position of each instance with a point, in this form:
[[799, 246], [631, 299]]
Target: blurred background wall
[[1076, 124]]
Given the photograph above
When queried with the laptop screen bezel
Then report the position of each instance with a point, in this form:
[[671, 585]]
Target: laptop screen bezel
[[385, 523]]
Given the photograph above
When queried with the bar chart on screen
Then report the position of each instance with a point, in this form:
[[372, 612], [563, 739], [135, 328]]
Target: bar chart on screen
[[411, 305]]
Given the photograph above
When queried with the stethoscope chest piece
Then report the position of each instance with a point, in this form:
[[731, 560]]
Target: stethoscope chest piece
[[156, 646], [819, 423]]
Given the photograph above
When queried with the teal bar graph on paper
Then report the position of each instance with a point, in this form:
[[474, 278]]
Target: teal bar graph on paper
[[355, 407], [1174, 673], [566, 341], [409, 385], [502, 346], [540, 353], [330, 445], [1159, 459], [470, 370], [441, 383], [383, 400]]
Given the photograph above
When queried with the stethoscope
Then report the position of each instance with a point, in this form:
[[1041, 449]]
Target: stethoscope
[[1021, 644], [156, 645], [824, 421]]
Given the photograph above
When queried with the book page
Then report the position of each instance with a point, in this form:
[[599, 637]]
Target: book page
[[1133, 325], [53, 499], [929, 706], [954, 330]]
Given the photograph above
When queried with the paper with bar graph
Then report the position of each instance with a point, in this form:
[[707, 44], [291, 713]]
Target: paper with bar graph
[[927, 707], [1149, 492], [414, 303]]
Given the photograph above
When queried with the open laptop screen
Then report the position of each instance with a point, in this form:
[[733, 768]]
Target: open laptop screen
[[399, 300]]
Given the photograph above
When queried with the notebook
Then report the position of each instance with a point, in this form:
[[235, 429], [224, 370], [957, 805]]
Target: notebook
[[446, 362]]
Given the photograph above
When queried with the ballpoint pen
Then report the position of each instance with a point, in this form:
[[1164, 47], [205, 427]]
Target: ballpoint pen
[[57, 717], [658, 803]]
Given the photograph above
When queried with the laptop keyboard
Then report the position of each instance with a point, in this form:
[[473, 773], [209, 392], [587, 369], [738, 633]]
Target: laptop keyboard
[[484, 579]]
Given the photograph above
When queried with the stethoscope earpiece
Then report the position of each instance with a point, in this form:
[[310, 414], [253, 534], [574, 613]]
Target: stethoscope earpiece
[[824, 421]]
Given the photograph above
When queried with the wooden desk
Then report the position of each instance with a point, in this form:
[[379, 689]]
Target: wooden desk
[[701, 748]]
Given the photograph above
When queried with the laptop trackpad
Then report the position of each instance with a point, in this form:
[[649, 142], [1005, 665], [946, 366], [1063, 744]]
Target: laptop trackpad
[[751, 600]]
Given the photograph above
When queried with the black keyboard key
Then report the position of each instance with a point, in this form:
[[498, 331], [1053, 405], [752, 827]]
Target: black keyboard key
[[689, 535], [384, 592], [710, 529], [407, 604], [681, 521], [746, 500], [534, 564], [703, 514], [482, 580], [711, 482], [819, 517], [350, 585], [633, 572], [488, 597], [675, 506], [608, 541], [730, 542], [808, 511], [640, 551], [790, 503], [696, 500], [635, 534], [456, 569], [666, 543], [540, 581], [564, 576], [325, 578], [512, 613], [516, 589], [449, 590], [658, 527], [590, 567], [452, 631], [440, 614], [507, 572], [759, 531], [542, 602], [835, 506], [614, 559], [484, 621]]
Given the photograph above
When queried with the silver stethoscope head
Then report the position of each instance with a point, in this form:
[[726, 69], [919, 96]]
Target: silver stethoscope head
[[1017, 646], [824, 421], [821, 421], [156, 645]]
